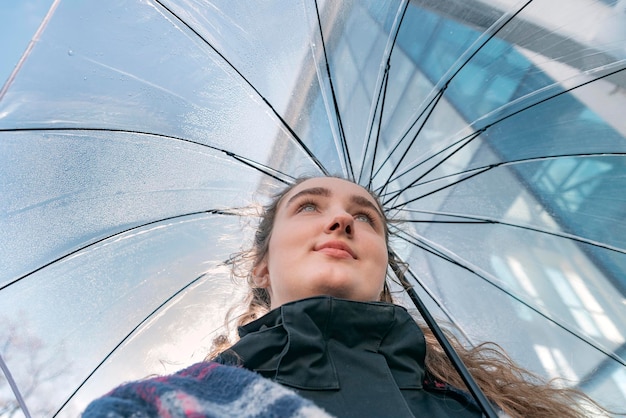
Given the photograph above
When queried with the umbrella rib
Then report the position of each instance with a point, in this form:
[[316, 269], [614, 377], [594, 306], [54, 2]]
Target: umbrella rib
[[267, 170], [482, 169], [165, 302], [526, 160], [282, 120], [440, 306], [418, 243], [621, 66], [495, 165], [501, 23], [369, 129], [423, 245], [380, 122], [466, 141], [467, 138], [4, 368], [486, 220], [432, 102], [401, 205], [34, 40], [228, 212], [384, 85], [342, 135], [426, 112], [432, 108], [496, 27]]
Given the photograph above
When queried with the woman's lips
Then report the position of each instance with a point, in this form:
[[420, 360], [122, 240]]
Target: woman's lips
[[337, 249]]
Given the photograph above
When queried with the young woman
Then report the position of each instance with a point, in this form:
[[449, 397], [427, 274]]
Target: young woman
[[321, 322], [359, 355]]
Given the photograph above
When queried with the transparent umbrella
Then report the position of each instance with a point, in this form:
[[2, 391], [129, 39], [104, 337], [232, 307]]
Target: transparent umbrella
[[134, 136]]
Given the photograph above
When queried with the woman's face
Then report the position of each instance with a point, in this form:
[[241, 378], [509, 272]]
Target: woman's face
[[328, 238]]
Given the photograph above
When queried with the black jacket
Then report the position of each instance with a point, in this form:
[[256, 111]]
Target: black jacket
[[354, 359]]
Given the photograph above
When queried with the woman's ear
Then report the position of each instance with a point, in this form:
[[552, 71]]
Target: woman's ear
[[261, 275]]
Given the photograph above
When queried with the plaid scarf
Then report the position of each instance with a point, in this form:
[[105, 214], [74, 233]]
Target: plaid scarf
[[205, 389]]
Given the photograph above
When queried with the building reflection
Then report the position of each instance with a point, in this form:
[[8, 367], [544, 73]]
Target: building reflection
[[551, 168]]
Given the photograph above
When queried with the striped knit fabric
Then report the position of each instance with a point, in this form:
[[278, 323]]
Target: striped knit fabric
[[204, 390]]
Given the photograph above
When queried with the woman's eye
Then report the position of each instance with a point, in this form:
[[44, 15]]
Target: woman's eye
[[308, 207], [363, 217]]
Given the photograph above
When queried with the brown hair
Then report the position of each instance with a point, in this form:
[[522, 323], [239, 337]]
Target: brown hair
[[518, 392]]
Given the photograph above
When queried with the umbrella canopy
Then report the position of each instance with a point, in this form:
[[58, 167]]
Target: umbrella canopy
[[135, 134]]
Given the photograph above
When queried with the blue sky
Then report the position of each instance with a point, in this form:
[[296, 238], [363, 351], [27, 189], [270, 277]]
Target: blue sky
[[19, 20]]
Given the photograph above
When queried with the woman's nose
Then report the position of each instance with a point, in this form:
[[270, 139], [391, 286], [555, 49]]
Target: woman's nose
[[341, 222]]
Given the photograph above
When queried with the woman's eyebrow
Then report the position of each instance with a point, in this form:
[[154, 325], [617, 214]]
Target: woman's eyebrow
[[314, 191], [323, 191]]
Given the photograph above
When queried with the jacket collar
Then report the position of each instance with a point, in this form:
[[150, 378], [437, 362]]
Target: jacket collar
[[296, 343]]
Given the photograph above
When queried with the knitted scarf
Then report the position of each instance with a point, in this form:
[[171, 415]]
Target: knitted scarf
[[205, 389]]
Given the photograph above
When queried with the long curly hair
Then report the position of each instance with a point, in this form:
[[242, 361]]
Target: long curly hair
[[516, 391]]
